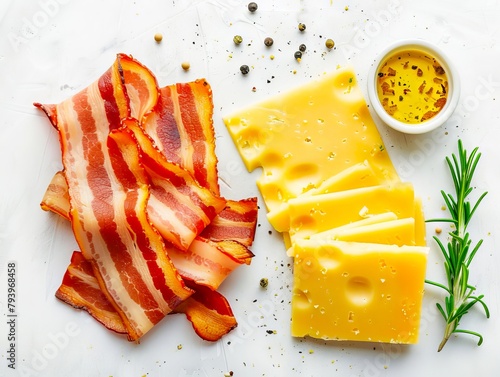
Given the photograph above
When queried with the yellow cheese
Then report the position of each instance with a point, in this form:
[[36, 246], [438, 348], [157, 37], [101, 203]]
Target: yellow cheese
[[357, 291], [308, 135], [395, 232], [369, 220], [356, 176], [420, 233], [309, 215]]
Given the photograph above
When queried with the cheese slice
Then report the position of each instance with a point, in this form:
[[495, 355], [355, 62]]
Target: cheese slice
[[420, 231], [395, 232], [305, 136], [309, 215], [357, 291], [369, 220], [356, 176]]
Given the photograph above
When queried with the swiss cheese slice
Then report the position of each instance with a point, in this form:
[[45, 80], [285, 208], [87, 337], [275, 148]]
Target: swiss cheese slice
[[355, 231], [398, 232], [356, 176], [305, 136], [309, 215], [357, 291]]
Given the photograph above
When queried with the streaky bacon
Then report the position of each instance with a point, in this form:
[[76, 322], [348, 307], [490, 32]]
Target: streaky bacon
[[180, 122], [236, 222], [56, 197], [108, 193], [178, 207], [209, 262], [81, 290], [181, 126], [139, 85], [209, 312], [179, 212]]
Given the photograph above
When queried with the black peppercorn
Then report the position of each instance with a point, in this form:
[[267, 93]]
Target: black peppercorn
[[252, 7], [244, 69], [268, 41]]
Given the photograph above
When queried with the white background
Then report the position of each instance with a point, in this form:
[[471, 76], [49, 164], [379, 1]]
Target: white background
[[50, 49]]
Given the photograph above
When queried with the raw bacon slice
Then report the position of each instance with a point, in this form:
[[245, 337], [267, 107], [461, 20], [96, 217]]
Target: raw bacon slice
[[208, 262], [194, 147], [209, 312], [108, 194], [140, 86], [178, 207], [56, 197], [236, 222], [81, 290], [181, 126]]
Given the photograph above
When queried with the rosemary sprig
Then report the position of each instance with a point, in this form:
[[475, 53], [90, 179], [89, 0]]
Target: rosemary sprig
[[459, 252]]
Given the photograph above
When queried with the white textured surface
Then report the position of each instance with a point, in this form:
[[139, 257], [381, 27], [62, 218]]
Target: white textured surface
[[49, 49]]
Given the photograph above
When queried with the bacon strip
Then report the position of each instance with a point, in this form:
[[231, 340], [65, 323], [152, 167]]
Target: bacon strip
[[81, 290], [181, 127], [209, 312], [108, 194], [194, 147], [179, 208], [56, 197], [236, 222], [208, 262], [140, 86]]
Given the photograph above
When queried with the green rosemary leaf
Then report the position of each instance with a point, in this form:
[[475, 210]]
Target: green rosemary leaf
[[459, 252]]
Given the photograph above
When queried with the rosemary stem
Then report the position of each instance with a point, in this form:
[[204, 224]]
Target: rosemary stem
[[450, 327], [460, 251]]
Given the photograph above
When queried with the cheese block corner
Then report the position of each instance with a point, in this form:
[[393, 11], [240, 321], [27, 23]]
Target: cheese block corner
[[305, 136]]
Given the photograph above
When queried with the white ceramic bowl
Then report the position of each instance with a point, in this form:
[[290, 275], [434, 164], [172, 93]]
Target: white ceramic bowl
[[453, 87]]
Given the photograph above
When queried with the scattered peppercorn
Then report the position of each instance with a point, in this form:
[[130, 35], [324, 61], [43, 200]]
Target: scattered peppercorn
[[302, 48], [268, 41], [158, 37], [302, 26], [185, 66], [244, 69], [237, 39], [298, 55], [252, 7], [329, 43], [264, 282]]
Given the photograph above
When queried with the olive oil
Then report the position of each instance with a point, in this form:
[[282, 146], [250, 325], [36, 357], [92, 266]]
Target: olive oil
[[412, 86]]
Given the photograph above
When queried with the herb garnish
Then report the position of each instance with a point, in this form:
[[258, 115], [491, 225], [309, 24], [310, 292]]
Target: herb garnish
[[459, 252]]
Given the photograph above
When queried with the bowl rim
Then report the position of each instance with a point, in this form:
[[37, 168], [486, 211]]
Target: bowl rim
[[453, 86]]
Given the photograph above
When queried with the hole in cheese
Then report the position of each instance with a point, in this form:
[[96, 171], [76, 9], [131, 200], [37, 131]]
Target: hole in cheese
[[328, 258], [301, 299], [359, 290], [300, 176]]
